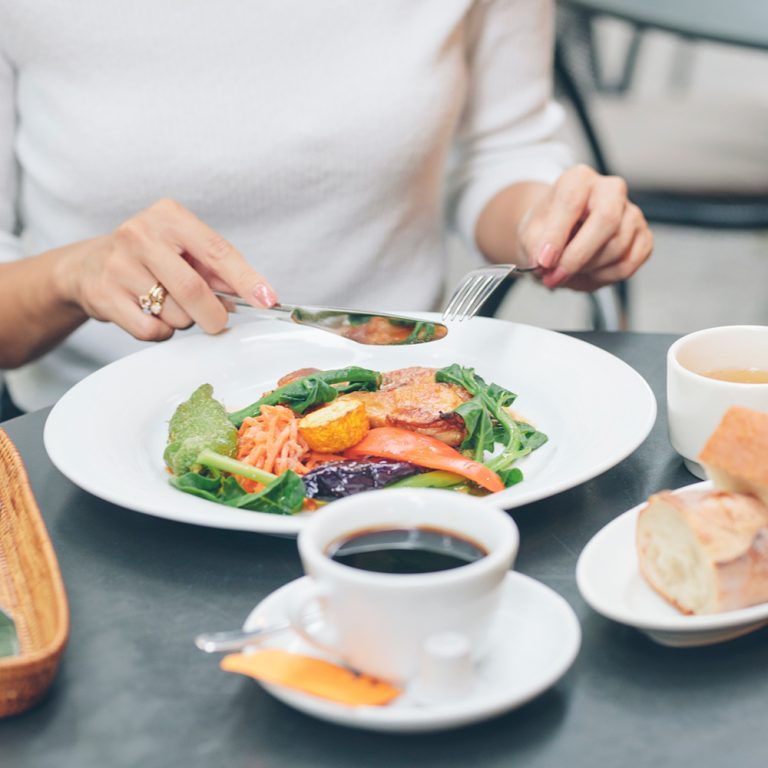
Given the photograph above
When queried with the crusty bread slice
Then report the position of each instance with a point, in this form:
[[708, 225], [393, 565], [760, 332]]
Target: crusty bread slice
[[705, 551], [736, 455]]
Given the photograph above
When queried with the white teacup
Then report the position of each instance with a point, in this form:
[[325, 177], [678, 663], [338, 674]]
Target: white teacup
[[379, 622], [695, 402]]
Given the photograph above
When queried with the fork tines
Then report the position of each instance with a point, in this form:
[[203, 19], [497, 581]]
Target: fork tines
[[473, 290]]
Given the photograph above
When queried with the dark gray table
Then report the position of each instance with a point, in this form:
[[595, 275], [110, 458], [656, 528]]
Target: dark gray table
[[133, 691]]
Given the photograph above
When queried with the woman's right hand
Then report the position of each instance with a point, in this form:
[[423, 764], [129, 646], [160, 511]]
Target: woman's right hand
[[169, 245]]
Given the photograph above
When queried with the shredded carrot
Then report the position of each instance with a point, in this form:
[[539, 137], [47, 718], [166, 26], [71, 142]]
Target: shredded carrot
[[271, 441]]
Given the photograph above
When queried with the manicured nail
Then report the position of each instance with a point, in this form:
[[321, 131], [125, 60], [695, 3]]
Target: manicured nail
[[265, 295], [555, 277], [547, 255]]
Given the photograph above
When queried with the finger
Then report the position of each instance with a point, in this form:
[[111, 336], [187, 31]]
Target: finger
[[171, 313], [122, 308], [568, 206], [218, 255], [607, 203], [137, 280], [188, 288], [618, 247], [639, 252], [142, 242]]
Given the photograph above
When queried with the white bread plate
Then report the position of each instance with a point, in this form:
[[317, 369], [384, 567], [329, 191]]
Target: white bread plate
[[609, 580]]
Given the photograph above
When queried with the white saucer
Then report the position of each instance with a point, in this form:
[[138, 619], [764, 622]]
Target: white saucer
[[535, 639], [609, 580]]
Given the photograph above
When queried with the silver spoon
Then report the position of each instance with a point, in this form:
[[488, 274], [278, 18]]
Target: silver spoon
[[236, 640]]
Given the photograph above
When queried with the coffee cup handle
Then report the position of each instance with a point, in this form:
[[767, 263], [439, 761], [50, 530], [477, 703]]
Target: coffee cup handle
[[323, 638]]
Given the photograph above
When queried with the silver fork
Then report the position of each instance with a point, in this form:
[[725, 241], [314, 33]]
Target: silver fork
[[477, 286]]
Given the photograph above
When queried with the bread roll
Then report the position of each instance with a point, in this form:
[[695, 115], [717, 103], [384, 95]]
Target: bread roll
[[736, 455], [705, 551]]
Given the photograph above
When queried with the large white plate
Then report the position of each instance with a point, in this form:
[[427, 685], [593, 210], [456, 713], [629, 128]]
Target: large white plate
[[609, 580], [108, 432]]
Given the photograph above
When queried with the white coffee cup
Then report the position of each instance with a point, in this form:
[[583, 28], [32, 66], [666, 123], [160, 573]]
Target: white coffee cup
[[695, 402], [380, 623]]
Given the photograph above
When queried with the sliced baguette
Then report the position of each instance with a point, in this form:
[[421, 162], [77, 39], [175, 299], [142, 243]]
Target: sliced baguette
[[736, 455], [705, 551]]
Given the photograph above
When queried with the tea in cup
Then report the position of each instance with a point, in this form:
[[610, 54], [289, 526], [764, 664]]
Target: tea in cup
[[390, 569], [707, 372]]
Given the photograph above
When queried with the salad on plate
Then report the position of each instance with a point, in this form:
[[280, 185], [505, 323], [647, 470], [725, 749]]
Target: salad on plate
[[320, 435]]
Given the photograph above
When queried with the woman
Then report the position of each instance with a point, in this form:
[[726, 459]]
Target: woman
[[296, 150]]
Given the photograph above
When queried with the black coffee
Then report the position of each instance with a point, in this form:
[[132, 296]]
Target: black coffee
[[405, 550]]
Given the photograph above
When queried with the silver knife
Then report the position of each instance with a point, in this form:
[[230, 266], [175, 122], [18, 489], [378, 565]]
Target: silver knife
[[378, 328]]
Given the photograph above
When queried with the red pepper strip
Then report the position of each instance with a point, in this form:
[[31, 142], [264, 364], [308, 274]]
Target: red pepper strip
[[426, 451]]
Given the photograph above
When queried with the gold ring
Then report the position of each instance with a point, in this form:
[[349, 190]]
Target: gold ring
[[152, 302]]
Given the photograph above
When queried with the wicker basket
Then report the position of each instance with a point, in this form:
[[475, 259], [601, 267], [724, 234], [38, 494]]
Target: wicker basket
[[31, 589]]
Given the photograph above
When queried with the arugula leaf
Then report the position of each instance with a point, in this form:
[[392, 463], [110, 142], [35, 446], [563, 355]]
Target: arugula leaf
[[488, 422], [314, 389], [480, 428]]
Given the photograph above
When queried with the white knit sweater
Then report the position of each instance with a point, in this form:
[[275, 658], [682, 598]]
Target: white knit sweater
[[314, 134]]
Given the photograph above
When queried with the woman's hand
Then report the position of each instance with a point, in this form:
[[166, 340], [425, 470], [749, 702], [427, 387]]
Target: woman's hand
[[584, 232], [164, 244]]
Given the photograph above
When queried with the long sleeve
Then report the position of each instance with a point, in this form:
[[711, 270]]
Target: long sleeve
[[507, 130], [10, 247]]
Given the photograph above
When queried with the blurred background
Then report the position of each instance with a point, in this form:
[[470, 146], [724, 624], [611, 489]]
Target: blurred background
[[683, 116], [673, 96]]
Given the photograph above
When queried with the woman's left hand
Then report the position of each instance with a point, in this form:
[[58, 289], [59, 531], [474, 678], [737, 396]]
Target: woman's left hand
[[585, 233]]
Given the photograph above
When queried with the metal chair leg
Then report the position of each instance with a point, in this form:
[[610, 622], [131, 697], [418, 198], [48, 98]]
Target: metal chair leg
[[607, 309]]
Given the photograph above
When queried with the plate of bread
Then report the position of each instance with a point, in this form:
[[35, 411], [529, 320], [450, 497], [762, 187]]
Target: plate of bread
[[690, 567]]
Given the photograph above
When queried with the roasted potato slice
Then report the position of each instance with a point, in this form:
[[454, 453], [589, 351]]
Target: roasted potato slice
[[335, 427]]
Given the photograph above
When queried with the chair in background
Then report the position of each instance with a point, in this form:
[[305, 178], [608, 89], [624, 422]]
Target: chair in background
[[701, 162], [689, 161]]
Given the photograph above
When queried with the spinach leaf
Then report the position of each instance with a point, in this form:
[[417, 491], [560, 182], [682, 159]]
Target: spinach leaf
[[282, 494], [511, 476], [314, 389]]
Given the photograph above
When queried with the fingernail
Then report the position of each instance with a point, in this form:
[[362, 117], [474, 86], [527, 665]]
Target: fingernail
[[547, 255], [265, 295], [557, 276]]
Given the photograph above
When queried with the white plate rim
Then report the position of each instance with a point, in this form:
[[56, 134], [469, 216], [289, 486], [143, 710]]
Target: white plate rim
[[677, 623]]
